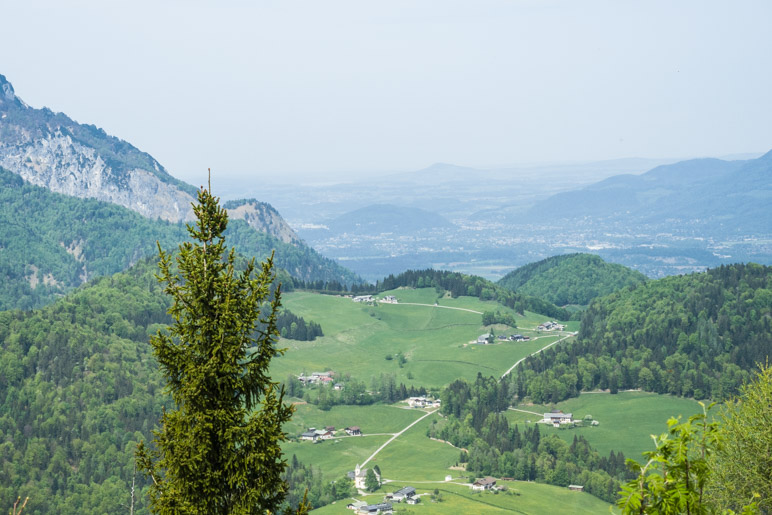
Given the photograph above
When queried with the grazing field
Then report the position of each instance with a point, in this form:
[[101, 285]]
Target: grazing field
[[626, 419], [377, 418], [435, 340], [334, 457], [415, 457], [533, 499]]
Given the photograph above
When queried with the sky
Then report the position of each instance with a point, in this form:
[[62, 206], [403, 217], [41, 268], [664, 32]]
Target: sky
[[281, 90]]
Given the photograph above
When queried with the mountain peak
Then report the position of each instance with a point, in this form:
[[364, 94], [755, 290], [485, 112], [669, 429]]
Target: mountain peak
[[6, 90]]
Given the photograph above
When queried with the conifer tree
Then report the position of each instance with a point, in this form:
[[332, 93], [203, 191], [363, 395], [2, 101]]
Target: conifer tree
[[218, 450]]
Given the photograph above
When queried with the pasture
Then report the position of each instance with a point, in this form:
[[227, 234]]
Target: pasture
[[521, 497], [434, 339], [626, 419]]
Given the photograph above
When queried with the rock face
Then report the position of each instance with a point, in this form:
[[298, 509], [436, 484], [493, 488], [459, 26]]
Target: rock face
[[51, 150], [57, 162], [262, 217]]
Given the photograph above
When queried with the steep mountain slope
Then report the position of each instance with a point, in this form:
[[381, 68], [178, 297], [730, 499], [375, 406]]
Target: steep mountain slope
[[51, 150], [711, 195], [570, 279], [51, 243]]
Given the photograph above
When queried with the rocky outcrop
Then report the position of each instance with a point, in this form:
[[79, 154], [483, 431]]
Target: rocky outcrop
[[58, 163], [262, 217]]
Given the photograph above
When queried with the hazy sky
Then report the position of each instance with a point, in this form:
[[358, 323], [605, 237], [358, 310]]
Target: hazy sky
[[285, 88]]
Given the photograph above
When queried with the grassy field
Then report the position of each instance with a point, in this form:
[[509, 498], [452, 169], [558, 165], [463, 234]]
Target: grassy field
[[335, 457], [378, 418], [533, 499], [626, 419], [435, 340], [415, 457]]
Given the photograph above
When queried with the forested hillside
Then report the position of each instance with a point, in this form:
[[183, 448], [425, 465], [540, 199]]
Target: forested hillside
[[50, 243], [697, 336], [570, 279], [79, 387], [461, 284], [475, 421]]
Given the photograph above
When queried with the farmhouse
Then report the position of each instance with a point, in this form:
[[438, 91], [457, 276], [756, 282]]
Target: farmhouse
[[557, 417], [403, 494], [363, 298], [309, 435], [576, 488], [389, 299], [353, 431], [384, 507], [485, 338], [485, 483]]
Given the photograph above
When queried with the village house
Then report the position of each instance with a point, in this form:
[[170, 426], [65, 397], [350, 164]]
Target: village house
[[389, 299], [551, 326], [382, 508], [557, 417], [486, 483], [309, 435], [353, 431], [363, 298], [485, 338], [403, 494]]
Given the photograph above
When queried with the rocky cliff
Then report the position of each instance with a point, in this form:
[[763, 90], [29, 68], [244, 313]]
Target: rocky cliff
[[51, 150]]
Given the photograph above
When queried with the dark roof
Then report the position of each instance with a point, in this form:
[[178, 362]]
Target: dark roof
[[376, 507], [408, 490]]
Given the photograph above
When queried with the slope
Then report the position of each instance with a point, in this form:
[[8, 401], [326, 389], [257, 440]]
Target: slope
[[697, 336], [50, 243], [570, 279]]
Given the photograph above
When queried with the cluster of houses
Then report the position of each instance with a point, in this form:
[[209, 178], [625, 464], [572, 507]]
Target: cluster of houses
[[317, 435], [550, 326], [320, 378], [423, 402], [406, 495], [367, 299], [488, 338]]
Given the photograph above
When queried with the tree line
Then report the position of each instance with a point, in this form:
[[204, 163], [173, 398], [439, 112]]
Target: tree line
[[491, 446], [697, 336]]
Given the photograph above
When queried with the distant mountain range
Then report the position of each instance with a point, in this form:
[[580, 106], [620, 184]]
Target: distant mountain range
[[719, 197]]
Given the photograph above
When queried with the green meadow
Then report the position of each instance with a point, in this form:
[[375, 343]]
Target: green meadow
[[626, 419], [434, 339], [521, 497], [378, 418]]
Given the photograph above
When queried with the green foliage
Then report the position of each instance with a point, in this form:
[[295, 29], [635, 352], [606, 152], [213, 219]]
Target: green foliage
[[497, 317], [309, 482], [693, 336], [296, 328], [742, 466], [476, 424], [218, 450], [79, 389], [371, 481], [673, 479], [461, 284], [52, 243], [570, 279]]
